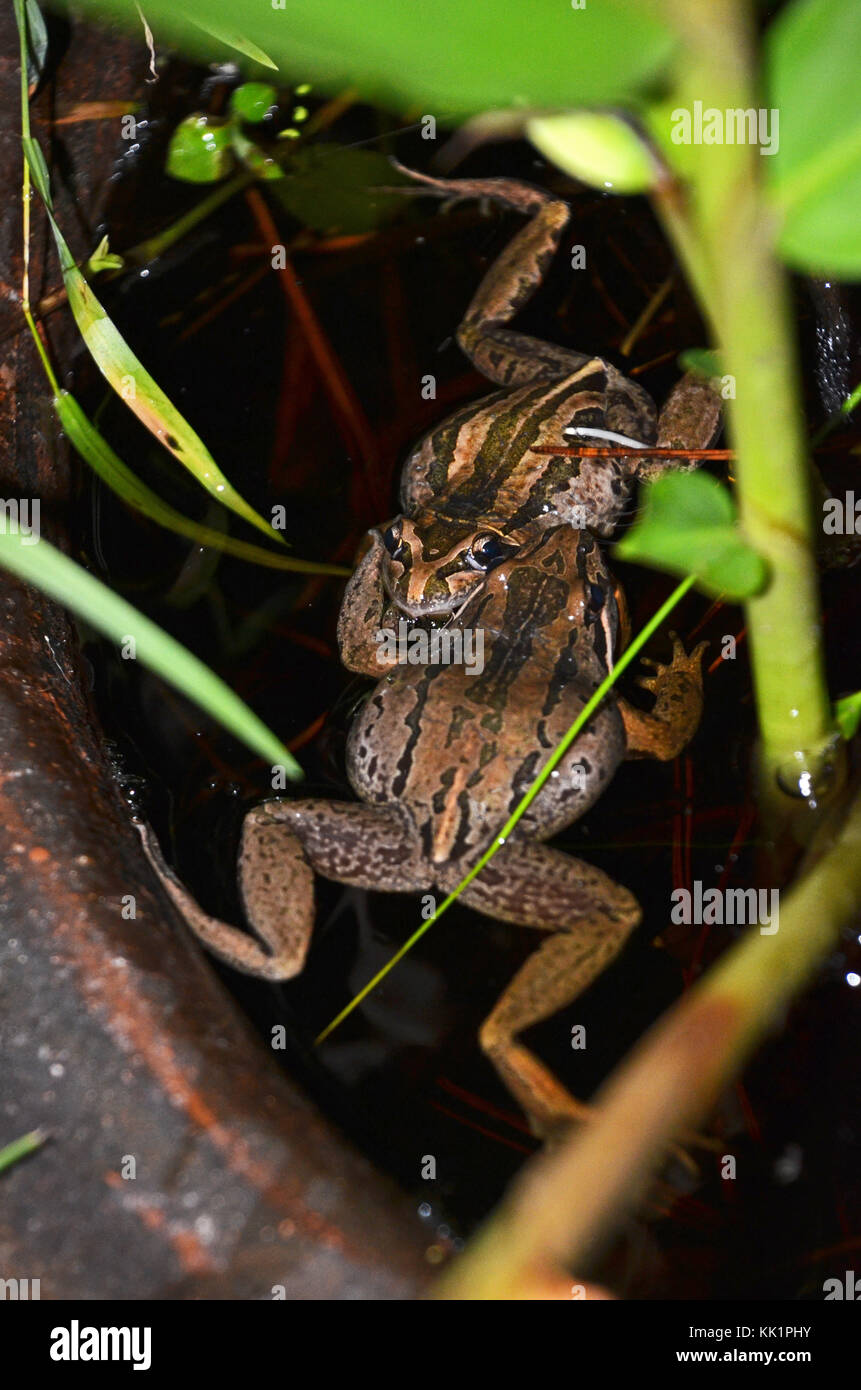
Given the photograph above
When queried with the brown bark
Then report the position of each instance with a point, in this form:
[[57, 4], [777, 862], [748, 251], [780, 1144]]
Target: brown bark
[[115, 1035]]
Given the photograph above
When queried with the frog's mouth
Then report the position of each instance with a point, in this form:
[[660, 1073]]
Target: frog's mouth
[[428, 596], [443, 603]]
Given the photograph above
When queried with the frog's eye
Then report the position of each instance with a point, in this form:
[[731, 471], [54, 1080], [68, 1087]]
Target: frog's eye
[[487, 551], [393, 543], [594, 599]]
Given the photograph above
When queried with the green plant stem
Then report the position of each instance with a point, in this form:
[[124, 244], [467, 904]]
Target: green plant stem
[[746, 297], [147, 251], [567, 1203]]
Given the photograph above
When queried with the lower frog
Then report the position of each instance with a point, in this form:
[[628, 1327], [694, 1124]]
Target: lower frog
[[440, 756], [474, 487]]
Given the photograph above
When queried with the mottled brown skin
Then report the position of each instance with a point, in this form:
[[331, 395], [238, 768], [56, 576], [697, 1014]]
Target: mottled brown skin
[[476, 474], [440, 758]]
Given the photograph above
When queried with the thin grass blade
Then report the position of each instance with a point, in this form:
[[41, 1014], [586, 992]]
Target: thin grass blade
[[49, 570]]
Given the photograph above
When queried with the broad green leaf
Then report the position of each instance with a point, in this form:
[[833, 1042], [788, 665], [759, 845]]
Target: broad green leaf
[[688, 525], [49, 570], [252, 101], [447, 58], [93, 447], [596, 147], [848, 714], [334, 189], [200, 150], [813, 52]]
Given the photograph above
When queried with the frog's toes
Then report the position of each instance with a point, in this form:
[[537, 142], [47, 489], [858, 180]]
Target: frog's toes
[[682, 660], [681, 663]]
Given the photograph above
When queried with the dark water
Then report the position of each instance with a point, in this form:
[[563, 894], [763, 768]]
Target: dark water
[[404, 1076]]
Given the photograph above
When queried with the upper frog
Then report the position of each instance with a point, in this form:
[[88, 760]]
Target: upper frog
[[474, 488]]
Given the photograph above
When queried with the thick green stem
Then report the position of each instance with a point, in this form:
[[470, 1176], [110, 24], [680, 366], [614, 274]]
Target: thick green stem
[[748, 304]]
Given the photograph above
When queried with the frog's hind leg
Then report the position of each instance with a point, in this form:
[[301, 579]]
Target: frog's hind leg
[[590, 917], [508, 358], [283, 843]]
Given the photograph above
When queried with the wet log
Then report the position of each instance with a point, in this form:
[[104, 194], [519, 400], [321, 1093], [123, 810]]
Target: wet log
[[180, 1161]]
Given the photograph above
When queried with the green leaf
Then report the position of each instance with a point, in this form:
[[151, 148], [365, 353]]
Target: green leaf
[[812, 65], [596, 147], [38, 168], [848, 714], [200, 150], [233, 40], [103, 259], [93, 447], [705, 361], [37, 43], [688, 525], [332, 189], [447, 58], [55, 574], [253, 101]]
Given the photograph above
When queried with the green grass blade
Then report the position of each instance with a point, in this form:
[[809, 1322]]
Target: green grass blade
[[127, 375], [98, 453], [49, 570], [20, 1148], [523, 805], [233, 40]]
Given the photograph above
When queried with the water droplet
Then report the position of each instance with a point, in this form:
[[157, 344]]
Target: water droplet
[[853, 979], [809, 776]]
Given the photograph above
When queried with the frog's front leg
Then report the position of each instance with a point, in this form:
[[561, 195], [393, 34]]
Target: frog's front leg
[[365, 612], [589, 917], [671, 724], [508, 358], [689, 419], [283, 843]]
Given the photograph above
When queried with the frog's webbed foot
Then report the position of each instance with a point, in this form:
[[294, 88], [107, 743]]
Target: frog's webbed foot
[[364, 612], [590, 918], [690, 419], [678, 689], [508, 358], [283, 843]]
